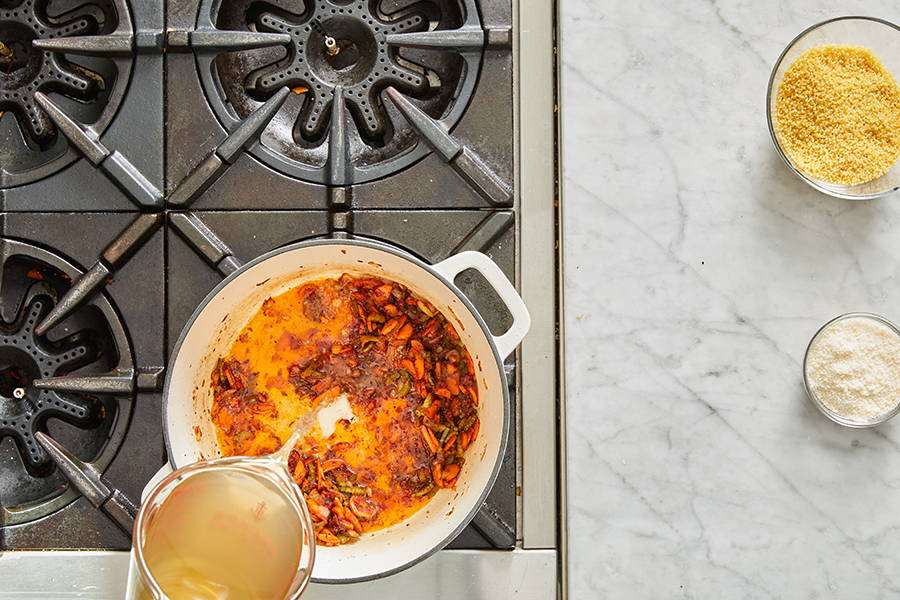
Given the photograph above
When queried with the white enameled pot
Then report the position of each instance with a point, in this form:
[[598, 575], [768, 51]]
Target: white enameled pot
[[190, 433]]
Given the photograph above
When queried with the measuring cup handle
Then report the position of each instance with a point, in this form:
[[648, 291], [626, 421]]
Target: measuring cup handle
[[154, 481], [456, 264], [135, 588]]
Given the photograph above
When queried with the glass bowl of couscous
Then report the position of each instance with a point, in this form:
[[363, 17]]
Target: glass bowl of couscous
[[834, 107]]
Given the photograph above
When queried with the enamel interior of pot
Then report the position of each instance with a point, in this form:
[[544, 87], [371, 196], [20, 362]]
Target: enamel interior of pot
[[192, 433]]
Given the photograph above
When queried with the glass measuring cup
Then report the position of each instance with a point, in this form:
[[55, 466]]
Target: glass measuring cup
[[230, 528], [223, 529]]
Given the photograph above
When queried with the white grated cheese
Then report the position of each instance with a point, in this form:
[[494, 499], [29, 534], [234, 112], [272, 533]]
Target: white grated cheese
[[853, 367]]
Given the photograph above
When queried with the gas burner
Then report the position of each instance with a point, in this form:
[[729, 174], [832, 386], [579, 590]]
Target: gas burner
[[90, 87], [91, 340], [24, 69], [25, 357], [340, 54], [347, 49]]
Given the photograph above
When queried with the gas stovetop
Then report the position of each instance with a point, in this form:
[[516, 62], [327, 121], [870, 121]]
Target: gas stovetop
[[148, 149]]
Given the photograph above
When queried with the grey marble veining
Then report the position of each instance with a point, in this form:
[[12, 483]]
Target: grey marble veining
[[697, 269]]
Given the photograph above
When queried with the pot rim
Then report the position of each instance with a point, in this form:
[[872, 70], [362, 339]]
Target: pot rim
[[384, 247]]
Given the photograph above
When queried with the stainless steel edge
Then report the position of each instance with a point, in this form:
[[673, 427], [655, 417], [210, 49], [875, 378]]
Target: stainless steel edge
[[449, 575], [51, 575], [517, 205], [537, 222], [563, 520]]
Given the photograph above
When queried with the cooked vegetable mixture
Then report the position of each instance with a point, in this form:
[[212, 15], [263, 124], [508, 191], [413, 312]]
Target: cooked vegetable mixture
[[409, 380]]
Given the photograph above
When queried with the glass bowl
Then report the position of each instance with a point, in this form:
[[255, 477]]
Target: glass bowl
[[836, 417], [883, 39]]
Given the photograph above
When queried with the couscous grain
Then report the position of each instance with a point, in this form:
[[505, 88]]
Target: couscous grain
[[838, 114]]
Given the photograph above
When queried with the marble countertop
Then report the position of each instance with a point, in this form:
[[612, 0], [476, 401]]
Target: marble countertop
[[697, 268]]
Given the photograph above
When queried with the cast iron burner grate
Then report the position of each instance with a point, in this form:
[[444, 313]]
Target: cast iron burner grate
[[88, 79], [90, 340], [25, 70], [25, 357], [339, 56], [345, 50]]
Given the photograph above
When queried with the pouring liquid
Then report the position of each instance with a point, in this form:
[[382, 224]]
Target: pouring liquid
[[231, 534], [224, 535]]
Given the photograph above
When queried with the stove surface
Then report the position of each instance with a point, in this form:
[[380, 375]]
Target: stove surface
[[174, 141]]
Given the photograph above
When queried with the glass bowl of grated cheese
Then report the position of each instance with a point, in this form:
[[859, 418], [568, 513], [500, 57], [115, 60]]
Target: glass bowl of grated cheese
[[833, 107], [851, 370]]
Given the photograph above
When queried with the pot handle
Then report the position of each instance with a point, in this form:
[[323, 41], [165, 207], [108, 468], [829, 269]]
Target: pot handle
[[456, 264]]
